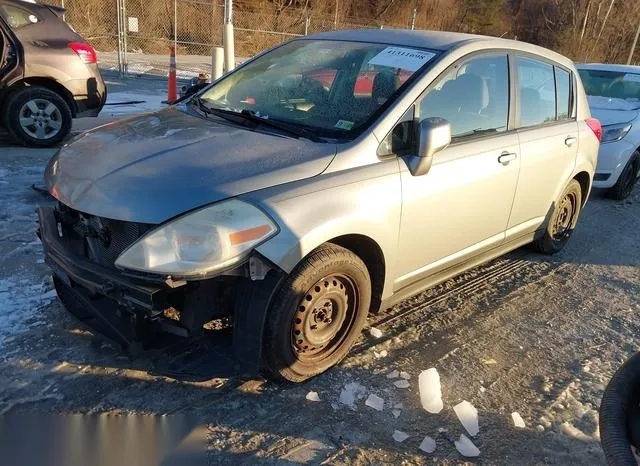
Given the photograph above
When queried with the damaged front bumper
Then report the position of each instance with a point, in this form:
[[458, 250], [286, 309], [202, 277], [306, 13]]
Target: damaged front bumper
[[131, 309]]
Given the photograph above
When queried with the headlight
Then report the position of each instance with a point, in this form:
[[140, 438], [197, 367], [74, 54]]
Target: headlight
[[201, 242], [613, 133]]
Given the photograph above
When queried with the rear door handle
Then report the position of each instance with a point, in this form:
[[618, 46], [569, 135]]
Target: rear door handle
[[570, 141], [507, 157]]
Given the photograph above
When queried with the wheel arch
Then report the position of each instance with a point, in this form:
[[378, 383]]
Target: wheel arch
[[585, 185], [48, 83], [370, 252]]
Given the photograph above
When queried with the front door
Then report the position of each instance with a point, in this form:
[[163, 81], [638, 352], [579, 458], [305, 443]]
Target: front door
[[462, 205]]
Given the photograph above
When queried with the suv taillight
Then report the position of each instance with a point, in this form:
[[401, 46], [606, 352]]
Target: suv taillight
[[86, 53], [595, 127]]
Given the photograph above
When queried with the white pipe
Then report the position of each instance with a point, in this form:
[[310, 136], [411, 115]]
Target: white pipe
[[227, 37], [217, 63]]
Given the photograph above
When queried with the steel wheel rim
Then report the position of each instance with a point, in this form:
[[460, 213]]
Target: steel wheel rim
[[40, 118], [565, 216], [323, 318]]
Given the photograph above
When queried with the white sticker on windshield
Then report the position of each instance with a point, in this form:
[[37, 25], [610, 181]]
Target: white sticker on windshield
[[400, 57], [634, 78]]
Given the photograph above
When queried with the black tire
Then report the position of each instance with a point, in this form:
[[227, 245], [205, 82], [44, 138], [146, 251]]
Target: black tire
[[563, 220], [329, 290], [627, 180], [55, 125]]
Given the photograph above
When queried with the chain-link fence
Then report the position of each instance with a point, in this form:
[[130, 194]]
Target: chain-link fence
[[135, 36]]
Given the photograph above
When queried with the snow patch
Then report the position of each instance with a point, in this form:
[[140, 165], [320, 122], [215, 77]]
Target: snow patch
[[351, 393], [468, 417], [428, 445], [375, 333], [430, 391], [517, 420], [466, 447]]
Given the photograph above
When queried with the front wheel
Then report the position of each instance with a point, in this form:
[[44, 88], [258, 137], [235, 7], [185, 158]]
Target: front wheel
[[38, 117], [564, 218], [627, 180], [317, 315]]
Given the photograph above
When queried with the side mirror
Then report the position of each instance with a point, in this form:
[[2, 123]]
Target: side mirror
[[434, 134]]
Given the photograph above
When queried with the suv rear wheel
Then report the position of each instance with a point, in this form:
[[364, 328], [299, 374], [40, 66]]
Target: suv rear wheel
[[38, 117], [317, 315]]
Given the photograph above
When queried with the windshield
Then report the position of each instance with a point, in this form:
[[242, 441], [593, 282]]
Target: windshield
[[332, 88], [619, 88]]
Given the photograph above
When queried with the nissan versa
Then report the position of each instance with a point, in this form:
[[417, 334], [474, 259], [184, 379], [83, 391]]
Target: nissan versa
[[281, 197]]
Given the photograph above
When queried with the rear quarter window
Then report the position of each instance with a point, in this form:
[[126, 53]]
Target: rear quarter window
[[17, 17]]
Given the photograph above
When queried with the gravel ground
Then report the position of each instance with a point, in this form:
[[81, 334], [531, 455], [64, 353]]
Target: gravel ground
[[526, 333]]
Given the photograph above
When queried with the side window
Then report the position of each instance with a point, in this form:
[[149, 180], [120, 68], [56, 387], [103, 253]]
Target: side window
[[17, 17], [563, 92], [473, 97], [537, 92]]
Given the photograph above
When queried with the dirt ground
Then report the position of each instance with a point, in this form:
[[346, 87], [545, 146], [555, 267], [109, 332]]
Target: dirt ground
[[526, 333]]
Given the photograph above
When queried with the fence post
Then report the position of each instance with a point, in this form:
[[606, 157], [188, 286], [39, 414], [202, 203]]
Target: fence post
[[633, 46], [413, 18], [175, 25], [307, 22], [124, 30]]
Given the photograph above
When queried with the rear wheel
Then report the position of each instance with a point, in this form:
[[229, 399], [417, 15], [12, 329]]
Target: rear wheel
[[317, 315], [628, 178], [566, 211], [38, 117]]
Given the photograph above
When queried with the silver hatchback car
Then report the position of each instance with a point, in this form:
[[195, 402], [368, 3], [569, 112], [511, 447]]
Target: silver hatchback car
[[325, 179]]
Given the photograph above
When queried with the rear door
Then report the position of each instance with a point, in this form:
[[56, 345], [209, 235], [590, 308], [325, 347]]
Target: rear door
[[548, 135], [9, 54]]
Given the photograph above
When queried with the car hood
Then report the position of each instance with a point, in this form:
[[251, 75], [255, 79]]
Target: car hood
[[610, 111], [153, 167]]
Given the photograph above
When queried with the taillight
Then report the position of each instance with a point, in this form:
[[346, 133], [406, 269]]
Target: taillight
[[595, 127], [86, 53]]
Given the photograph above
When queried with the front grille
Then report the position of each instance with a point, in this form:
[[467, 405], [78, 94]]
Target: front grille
[[101, 240]]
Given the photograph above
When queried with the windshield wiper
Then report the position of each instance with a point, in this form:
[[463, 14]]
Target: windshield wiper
[[249, 115]]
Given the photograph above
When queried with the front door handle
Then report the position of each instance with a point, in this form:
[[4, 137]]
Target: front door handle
[[507, 157], [570, 141]]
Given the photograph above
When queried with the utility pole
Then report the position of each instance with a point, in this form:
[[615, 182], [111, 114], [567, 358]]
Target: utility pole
[[227, 38], [633, 46]]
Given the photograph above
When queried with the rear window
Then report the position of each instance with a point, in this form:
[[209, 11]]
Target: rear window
[[17, 17]]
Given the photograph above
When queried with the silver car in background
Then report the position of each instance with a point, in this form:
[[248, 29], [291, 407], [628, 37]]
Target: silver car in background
[[613, 92], [321, 181]]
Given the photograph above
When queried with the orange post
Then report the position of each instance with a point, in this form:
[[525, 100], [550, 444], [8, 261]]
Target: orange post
[[172, 93]]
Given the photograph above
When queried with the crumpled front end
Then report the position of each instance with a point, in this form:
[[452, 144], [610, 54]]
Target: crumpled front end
[[132, 308]]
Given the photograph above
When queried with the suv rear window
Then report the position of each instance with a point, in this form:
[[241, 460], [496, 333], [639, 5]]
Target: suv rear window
[[17, 17]]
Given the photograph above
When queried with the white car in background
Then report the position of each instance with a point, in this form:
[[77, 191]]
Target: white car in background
[[613, 92]]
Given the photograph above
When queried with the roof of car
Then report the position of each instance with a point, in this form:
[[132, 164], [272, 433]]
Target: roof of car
[[609, 67], [435, 40]]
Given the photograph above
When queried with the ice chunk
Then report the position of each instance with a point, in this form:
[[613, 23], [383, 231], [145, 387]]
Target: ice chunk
[[482, 389], [517, 420], [398, 406], [468, 416], [442, 430], [351, 393], [396, 413], [430, 390], [381, 354], [400, 436], [405, 375], [402, 383], [428, 445], [375, 402], [393, 375], [466, 447], [312, 396], [375, 332]]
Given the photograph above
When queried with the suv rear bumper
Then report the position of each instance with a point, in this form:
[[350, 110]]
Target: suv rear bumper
[[89, 93]]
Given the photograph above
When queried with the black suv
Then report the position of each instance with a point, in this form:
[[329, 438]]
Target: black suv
[[48, 74]]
